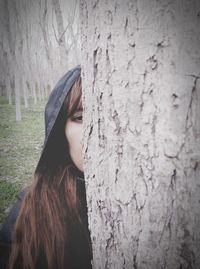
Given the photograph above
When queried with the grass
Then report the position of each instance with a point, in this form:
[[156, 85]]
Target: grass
[[20, 148]]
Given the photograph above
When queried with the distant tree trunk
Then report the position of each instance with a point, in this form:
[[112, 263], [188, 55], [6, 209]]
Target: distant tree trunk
[[141, 93], [30, 72], [15, 41], [61, 33], [74, 43], [34, 92], [9, 50], [43, 25], [17, 96], [74, 38], [25, 95], [8, 89]]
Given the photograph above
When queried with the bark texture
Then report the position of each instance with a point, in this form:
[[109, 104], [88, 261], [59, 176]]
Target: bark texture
[[141, 79]]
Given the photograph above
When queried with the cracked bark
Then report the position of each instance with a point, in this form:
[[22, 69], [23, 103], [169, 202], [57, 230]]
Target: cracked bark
[[142, 132]]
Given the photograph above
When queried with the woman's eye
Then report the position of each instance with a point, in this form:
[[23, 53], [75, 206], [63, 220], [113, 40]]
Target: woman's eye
[[77, 118]]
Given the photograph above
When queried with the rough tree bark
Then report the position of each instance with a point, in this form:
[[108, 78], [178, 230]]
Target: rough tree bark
[[141, 79]]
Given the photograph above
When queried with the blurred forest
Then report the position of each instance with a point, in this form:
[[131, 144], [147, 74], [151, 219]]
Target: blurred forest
[[39, 43]]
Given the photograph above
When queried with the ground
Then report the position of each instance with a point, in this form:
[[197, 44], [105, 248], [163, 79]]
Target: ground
[[20, 148]]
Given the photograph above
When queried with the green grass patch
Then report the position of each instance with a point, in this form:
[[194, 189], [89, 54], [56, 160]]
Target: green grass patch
[[3, 100], [20, 148], [7, 193]]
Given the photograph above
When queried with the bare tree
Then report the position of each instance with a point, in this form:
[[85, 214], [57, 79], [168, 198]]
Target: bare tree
[[140, 70], [43, 24], [11, 33], [61, 33], [72, 36], [6, 50]]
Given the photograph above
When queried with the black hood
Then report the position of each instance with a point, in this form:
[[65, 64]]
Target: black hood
[[53, 107]]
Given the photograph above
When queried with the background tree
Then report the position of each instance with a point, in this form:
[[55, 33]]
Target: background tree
[[141, 62], [61, 32]]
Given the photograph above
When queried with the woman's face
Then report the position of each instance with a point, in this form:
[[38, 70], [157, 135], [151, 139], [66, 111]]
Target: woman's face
[[74, 134]]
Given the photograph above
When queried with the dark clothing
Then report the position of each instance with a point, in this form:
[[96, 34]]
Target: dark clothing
[[7, 230]]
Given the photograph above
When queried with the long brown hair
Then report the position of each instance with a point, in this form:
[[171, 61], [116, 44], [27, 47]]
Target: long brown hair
[[50, 232]]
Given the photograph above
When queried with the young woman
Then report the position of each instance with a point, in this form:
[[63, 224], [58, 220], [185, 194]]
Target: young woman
[[51, 228]]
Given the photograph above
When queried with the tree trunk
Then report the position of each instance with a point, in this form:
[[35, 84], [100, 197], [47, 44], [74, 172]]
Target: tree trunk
[[25, 95], [17, 96], [9, 49], [140, 69], [61, 34], [34, 93], [8, 89]]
